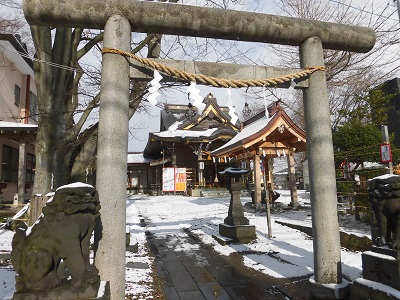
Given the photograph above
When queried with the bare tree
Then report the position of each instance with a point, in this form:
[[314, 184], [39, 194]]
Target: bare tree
[[348, 74], [64, 148]]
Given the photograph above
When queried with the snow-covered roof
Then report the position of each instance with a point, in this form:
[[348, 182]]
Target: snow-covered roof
[[137, 158], [237, 171], [247, 131], [12, 47], [186, 133], [15, 125], [370, 165]]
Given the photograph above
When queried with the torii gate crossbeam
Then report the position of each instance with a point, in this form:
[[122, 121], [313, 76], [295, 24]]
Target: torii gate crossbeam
[[166, 18], [186, 20]]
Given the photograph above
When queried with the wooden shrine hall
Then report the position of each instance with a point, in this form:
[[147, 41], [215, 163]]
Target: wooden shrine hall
[[185, 140], [207, 143], [264, 137]]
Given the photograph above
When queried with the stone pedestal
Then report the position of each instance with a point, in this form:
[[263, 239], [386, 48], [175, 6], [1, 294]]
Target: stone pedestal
[[363, 289], [66, 291], [239, 233], [381, 275], [328, 291], [382, 265]]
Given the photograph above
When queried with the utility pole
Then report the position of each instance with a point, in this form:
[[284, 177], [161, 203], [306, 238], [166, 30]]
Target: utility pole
[[398, 7]]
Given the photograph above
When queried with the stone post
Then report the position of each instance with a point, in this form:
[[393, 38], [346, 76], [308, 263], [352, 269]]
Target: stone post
[[326, 240], [292, 179], [21, 172], [257, 181], [112, 157], [37, 202]]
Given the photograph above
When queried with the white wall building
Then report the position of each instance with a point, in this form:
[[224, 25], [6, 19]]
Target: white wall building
[[18, 102]]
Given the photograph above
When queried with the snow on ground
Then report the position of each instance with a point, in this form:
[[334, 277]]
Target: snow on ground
[[288, 254]]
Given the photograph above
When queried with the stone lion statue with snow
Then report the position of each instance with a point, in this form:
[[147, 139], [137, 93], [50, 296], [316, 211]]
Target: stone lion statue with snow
[[384, 196], [62, 233]]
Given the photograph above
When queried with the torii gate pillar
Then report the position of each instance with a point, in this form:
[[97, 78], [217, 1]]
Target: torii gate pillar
[[326, 239], [112, 158]]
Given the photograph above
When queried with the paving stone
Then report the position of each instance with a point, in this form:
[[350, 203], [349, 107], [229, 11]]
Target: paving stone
[[223, 276], [199, 274], [174, 266], [183, 282], [164, 274], [195, 295], [168, 255], [241, 292], [213, 290], [171, 293]]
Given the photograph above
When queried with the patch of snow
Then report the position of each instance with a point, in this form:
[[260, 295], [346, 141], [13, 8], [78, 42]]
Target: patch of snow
[[74, 185], [379, 286], [186, 133]]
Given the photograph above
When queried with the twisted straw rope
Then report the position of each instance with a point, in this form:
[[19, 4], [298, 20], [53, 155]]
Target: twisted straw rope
[[209, 80]]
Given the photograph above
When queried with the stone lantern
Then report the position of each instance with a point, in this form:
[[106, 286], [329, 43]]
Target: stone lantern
[[236, 226]]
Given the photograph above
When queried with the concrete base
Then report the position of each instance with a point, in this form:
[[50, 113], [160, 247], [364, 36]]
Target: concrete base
[[328, 291], [238, 233], [363, 289], [380, 266], [65, 291]]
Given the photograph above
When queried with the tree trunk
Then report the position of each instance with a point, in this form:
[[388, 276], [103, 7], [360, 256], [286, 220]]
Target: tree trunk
[[53, 85]]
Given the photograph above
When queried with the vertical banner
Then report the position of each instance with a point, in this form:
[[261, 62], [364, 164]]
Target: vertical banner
[[386, 153], [168, 179], [180, 179]]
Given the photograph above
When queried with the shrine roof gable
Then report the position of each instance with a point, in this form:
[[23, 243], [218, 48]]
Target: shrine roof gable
[[211, 111], [278, 128]]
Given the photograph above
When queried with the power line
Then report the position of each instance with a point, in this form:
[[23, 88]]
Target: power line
[[42, 61], [363, 10]]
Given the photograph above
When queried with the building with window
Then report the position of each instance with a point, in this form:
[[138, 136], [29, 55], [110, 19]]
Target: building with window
[[18, 102]]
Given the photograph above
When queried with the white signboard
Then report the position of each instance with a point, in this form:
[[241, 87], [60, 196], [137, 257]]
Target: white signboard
[[168, 179]]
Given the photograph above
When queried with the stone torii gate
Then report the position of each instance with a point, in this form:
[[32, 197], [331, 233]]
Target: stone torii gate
[[118, 18]]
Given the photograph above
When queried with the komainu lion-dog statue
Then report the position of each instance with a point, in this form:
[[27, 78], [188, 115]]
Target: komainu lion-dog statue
[[62, 232], [384, 196]]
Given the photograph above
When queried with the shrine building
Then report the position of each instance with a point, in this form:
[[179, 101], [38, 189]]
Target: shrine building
[[185, 140], [203, 144]]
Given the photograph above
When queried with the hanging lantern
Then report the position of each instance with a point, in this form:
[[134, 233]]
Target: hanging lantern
[[246, 110]]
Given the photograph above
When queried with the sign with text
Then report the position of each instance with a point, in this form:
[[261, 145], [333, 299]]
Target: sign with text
[[386, 153], [168, 179], [174, 180], [180, 179]]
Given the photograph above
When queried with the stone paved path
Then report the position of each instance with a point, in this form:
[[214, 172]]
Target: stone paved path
[[201, 273]]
